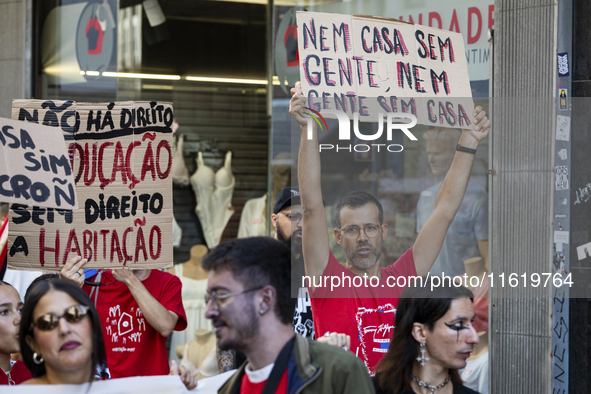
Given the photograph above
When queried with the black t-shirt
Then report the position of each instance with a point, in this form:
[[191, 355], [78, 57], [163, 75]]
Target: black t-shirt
[[458, 389], [302, 322]]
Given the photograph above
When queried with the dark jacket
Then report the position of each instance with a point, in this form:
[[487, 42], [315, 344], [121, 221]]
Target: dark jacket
[[317, 368], [458, 389]]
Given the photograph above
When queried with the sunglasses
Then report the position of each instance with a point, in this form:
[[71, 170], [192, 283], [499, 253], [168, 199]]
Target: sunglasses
[[49, 321]]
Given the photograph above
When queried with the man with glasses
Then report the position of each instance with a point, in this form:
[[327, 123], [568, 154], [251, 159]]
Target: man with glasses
[[251, 308], [363, 302], [287, 221]]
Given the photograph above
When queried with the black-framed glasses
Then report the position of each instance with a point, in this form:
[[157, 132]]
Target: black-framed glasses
[[370, 230], [295, 217], [216, 298], [49, 321]]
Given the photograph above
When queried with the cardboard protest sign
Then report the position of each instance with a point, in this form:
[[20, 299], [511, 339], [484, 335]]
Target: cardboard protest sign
[[121, 158], [373, 65], [34, 169]]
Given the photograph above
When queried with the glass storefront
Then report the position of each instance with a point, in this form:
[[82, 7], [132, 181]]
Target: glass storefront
[[398, 180], [207, 58]]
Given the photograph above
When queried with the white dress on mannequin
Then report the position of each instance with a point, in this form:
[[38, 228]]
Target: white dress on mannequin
[[180, 174], [193, 294], [252, 221], [214, 198]]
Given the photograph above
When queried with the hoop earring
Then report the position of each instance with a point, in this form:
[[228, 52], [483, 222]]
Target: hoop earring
[[38, 359], [422, 359]]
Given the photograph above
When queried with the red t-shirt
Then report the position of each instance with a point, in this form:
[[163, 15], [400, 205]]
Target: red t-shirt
[[133, 347], [19, 373], [367, 314], [247, 387]]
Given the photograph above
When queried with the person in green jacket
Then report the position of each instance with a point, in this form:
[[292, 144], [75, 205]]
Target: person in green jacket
[[250, 305]]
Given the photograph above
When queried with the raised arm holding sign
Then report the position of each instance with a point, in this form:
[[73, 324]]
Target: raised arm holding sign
[[361, 232], [345, 307]]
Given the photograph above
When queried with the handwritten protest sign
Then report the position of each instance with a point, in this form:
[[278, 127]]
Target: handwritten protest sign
[[121, 158], [374, 65], [34, 170]]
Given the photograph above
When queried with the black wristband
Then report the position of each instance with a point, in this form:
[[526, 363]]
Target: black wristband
[[464, 149]]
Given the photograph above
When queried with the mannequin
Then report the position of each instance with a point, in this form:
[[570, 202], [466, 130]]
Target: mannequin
[[180, 174], [199, 356], [253, 220], [482, 346], [214, 198], [194, 280], [192, 268]]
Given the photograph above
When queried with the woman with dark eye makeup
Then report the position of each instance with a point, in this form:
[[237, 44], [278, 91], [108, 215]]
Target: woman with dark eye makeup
[[433, 339]]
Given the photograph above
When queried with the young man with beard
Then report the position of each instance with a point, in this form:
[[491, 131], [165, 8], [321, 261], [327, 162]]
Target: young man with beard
[[287, 221], [249, 302], [367, 312]]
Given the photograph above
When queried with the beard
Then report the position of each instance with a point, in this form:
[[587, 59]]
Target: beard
[[370, 259], [244, 331], [293, 241]]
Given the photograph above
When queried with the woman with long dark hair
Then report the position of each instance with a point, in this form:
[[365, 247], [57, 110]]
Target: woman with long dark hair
[[432, 340], [61, 340]]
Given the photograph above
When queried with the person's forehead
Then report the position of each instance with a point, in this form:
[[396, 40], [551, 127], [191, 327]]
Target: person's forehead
[[460, 307], [8, 294], [54, 301], [223, 279], [368, 213], [292, 208]]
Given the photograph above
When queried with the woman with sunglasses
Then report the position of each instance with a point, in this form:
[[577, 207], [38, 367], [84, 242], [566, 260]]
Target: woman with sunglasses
[[433, 338], [60, 334], [11, 372]]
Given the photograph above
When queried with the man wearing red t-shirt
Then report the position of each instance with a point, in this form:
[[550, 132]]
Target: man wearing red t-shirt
[[363, 305], [139, 309], [250, 305]]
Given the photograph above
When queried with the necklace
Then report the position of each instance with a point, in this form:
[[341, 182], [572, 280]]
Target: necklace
[[428, 386], [10, 381]]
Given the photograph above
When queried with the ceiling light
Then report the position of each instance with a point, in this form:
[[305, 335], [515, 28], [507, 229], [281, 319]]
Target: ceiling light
[[141, 76], [228, 80]]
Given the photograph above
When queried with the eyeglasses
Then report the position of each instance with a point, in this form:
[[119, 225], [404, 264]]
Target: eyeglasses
[[49, 321], [217, 298], [352, 232], [295, 217]]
